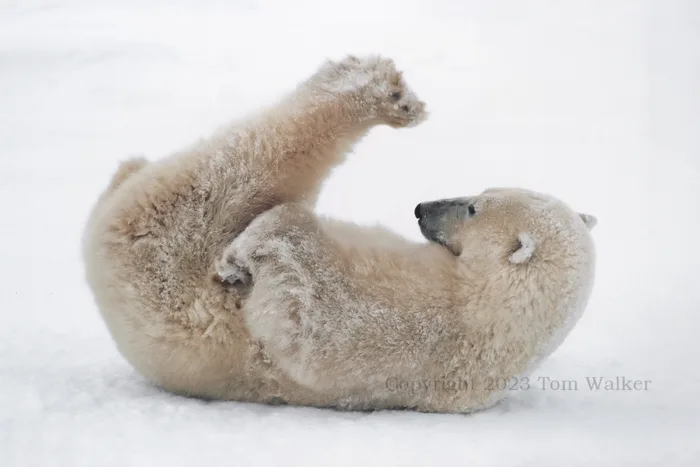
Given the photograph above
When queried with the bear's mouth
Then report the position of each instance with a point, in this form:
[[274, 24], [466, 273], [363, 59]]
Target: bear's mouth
[[435, 217], [435, 235]]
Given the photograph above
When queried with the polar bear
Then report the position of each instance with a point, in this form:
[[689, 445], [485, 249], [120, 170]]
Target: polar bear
[[216, 280], [153, 238], [448, 326]]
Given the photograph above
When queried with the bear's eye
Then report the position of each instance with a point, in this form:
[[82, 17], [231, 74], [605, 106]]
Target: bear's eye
[[471, 209]]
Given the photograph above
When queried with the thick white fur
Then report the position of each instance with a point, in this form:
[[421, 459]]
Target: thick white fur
[[152, 239], [336, 315]]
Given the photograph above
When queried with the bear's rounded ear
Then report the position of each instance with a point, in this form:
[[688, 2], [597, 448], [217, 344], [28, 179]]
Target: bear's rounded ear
[[589, 220], [526, 247]]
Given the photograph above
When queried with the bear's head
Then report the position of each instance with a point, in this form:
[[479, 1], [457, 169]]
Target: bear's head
[[505, 225]]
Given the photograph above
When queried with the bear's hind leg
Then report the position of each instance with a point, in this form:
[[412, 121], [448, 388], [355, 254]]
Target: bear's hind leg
[[288, 151]]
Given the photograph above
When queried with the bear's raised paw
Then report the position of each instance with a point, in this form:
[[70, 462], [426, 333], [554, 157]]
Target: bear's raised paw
[[376, 84], [230, 272]]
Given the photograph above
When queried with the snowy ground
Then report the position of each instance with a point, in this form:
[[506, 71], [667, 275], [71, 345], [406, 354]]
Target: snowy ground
[[595, 101]]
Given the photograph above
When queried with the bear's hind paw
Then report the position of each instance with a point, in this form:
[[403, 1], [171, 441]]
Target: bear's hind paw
[[381, 87]]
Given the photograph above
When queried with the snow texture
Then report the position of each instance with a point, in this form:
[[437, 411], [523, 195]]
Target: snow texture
[[593, 101]]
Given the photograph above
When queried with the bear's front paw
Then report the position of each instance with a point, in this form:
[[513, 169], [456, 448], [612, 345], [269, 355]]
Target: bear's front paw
[[379, 86], [230, 269]]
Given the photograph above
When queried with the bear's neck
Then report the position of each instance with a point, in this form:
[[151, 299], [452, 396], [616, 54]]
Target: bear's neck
[[516, 314]]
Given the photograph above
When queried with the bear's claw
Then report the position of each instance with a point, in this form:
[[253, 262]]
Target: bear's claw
[[230, 272]]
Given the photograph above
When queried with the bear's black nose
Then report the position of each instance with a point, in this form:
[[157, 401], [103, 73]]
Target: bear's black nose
[[417, 211]]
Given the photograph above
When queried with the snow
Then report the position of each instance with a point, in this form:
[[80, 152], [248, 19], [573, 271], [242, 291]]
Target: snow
[[596, 102]]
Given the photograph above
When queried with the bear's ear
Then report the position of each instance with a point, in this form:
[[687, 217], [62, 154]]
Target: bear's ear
[[526, 247], [589, 220]]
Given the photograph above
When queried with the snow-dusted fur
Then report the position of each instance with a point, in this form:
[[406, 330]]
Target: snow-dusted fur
[[302, 310], [152, 239]]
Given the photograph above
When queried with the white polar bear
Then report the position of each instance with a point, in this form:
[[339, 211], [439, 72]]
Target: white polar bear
[[336, 315]]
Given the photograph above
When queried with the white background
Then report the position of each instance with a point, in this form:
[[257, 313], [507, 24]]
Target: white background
[[594, 101]]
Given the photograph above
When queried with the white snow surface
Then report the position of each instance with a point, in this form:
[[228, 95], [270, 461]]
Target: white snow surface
[[594, 101]]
